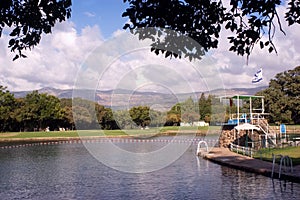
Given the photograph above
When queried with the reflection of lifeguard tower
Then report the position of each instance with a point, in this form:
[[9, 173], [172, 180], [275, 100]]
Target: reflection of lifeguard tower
[[247, 126]]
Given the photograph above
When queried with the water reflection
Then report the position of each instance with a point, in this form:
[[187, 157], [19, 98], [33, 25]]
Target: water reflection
[[202, 164], [256, 186], [70, 172]]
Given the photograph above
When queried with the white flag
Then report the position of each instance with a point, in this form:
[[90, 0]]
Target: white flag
[[258, 77]]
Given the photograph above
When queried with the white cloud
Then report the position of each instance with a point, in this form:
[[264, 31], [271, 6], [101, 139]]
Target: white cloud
[[127, 63], [56, 61], [53, 63], [89, 14], [237, 73]]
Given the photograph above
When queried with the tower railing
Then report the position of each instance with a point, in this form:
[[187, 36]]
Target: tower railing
[[269, 131]]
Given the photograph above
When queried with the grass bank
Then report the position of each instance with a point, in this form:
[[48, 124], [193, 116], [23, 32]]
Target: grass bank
[[171, 130], [292, 152]]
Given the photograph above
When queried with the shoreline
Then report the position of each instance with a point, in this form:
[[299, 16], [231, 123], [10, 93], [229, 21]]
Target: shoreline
[[225, 157], [8, 141], [57, 139], [12, 137]]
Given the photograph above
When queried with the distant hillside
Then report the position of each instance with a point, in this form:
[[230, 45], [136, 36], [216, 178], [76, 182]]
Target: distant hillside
[[240, 91], [52, 91], [124, 98]]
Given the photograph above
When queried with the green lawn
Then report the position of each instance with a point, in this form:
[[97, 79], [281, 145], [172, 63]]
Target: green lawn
[[292, 152], [135, 132], [42, 134], [291, 127], [61, 134]]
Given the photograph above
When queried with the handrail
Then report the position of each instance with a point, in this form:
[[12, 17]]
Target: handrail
[[285, 160], [267, 134], [199, 147], [245, 150], [273, 162], [268, 128], [270, 132]]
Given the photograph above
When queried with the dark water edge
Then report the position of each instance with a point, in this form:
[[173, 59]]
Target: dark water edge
[[68, 171]]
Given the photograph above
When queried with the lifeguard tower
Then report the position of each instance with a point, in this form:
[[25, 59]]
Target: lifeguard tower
[[248, 125]]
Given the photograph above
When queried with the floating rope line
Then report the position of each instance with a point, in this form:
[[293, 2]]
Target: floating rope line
[[194, 141]]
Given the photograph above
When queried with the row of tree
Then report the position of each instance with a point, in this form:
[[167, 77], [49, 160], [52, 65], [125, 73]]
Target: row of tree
[[42, 111], [35, 111]]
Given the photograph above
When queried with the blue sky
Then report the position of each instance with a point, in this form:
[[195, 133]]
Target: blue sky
[[59, 57], [107, 14]]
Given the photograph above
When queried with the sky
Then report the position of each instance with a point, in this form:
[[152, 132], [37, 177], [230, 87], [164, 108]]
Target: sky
[[91, 49]]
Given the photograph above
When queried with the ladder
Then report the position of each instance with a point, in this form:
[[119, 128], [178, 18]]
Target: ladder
[[268, 131]]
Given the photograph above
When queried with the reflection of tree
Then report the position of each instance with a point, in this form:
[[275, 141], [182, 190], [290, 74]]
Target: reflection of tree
[[239, 184]]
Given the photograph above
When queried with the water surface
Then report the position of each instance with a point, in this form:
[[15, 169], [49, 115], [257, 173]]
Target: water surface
[[68, 171]]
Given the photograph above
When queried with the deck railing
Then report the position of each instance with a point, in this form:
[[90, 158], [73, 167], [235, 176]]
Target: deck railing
[[248, 151]]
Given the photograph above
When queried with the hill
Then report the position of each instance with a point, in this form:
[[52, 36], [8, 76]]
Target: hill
[[119, 99]]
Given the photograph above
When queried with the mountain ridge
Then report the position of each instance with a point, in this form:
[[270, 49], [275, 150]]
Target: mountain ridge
[[121, 98]]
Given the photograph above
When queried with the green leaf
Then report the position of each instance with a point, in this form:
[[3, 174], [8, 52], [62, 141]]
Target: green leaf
[[261, 44], [15, 32], [25, 29], [11, 42], [16, 57], [168, 53], [271, 49], [267, 43], [232, 48]]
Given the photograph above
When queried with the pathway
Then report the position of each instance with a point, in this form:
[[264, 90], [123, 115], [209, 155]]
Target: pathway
[[225, 157]]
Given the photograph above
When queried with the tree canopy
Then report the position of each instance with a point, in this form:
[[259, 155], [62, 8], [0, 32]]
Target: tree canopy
[[202, 21], [7, 104], [194, 20], [282, 97], [140, 115], [29, 19]]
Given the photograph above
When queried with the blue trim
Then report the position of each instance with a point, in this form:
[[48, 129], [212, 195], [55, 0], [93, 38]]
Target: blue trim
[[256, 81]]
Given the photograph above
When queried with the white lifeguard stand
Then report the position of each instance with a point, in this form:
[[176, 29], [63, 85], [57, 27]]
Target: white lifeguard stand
[[252, 117], [245, 116]]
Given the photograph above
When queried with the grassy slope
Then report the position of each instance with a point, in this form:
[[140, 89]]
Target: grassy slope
[[151, 131], [82, 133], [292, 152]]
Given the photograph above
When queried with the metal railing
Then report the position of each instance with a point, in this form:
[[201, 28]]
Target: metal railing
[[247, 151], [267, 130], [199, 149], [285, 163]]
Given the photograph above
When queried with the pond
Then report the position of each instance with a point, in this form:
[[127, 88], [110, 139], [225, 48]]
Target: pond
[[69, 171]]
